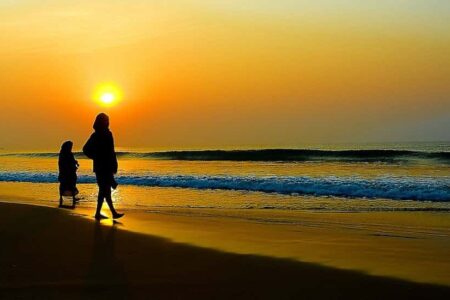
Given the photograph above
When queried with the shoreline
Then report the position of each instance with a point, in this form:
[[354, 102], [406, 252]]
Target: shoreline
[[405, 245], [50, 253]]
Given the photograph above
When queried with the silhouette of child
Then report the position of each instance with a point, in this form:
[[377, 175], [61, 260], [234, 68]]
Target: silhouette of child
[[67, 178]]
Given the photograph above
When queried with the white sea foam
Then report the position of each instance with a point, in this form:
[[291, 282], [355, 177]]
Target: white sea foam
[[388, 187]]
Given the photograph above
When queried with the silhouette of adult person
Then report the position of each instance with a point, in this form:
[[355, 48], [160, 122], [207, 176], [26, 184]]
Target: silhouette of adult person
[[100, 148]]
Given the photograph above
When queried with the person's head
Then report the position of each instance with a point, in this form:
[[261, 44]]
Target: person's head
[[66, 147], [101, 122]]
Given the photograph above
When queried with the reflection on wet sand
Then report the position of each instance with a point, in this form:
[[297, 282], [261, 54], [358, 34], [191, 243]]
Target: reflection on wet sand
[[105, 268], [47, 253]]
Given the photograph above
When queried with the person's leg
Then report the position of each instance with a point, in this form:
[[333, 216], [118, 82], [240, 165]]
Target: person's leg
[[60, 195], [110, 182], [115, 214], [104, 182], [100, 198], [109, 200]]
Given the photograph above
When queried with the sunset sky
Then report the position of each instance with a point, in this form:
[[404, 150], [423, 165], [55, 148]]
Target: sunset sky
[[214, 74]]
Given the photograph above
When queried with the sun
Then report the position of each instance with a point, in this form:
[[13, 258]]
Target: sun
[[107, 98], [107, 94]]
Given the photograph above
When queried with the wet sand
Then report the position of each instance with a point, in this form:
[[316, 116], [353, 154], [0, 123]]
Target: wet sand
[[407, 245], [52, 253]]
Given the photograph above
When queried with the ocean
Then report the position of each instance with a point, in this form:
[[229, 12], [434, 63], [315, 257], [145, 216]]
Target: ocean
[[343, 178]]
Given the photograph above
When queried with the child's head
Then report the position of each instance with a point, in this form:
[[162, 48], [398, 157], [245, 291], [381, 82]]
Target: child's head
[[67, 146]]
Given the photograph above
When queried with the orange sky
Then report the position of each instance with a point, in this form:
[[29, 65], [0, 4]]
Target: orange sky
[[211, 74]]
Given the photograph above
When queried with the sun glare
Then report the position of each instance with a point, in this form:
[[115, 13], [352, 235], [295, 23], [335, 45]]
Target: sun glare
[[107, 98], [107, 94]]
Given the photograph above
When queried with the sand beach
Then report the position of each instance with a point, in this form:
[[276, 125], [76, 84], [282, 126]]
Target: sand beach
[[50, 253]]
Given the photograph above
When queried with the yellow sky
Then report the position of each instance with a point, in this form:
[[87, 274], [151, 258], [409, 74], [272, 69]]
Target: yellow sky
[[225, 73]]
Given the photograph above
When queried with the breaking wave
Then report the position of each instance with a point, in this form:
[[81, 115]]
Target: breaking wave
[[387, 187], [281, 155]]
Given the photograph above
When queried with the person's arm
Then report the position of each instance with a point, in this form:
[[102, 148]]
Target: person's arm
[[114, 156], [60, 164], [89, 147], [74, 162]]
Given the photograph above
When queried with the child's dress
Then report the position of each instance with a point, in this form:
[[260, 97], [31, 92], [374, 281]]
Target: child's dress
[[67, 174]]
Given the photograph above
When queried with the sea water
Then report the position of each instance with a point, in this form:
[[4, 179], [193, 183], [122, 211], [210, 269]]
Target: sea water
[[369, 177]]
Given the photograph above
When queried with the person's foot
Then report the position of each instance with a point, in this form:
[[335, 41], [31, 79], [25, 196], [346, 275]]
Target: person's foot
[[100, 217], [118, 215]]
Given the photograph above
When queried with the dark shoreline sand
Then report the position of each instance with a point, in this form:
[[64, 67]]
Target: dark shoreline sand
[[49, 253]]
